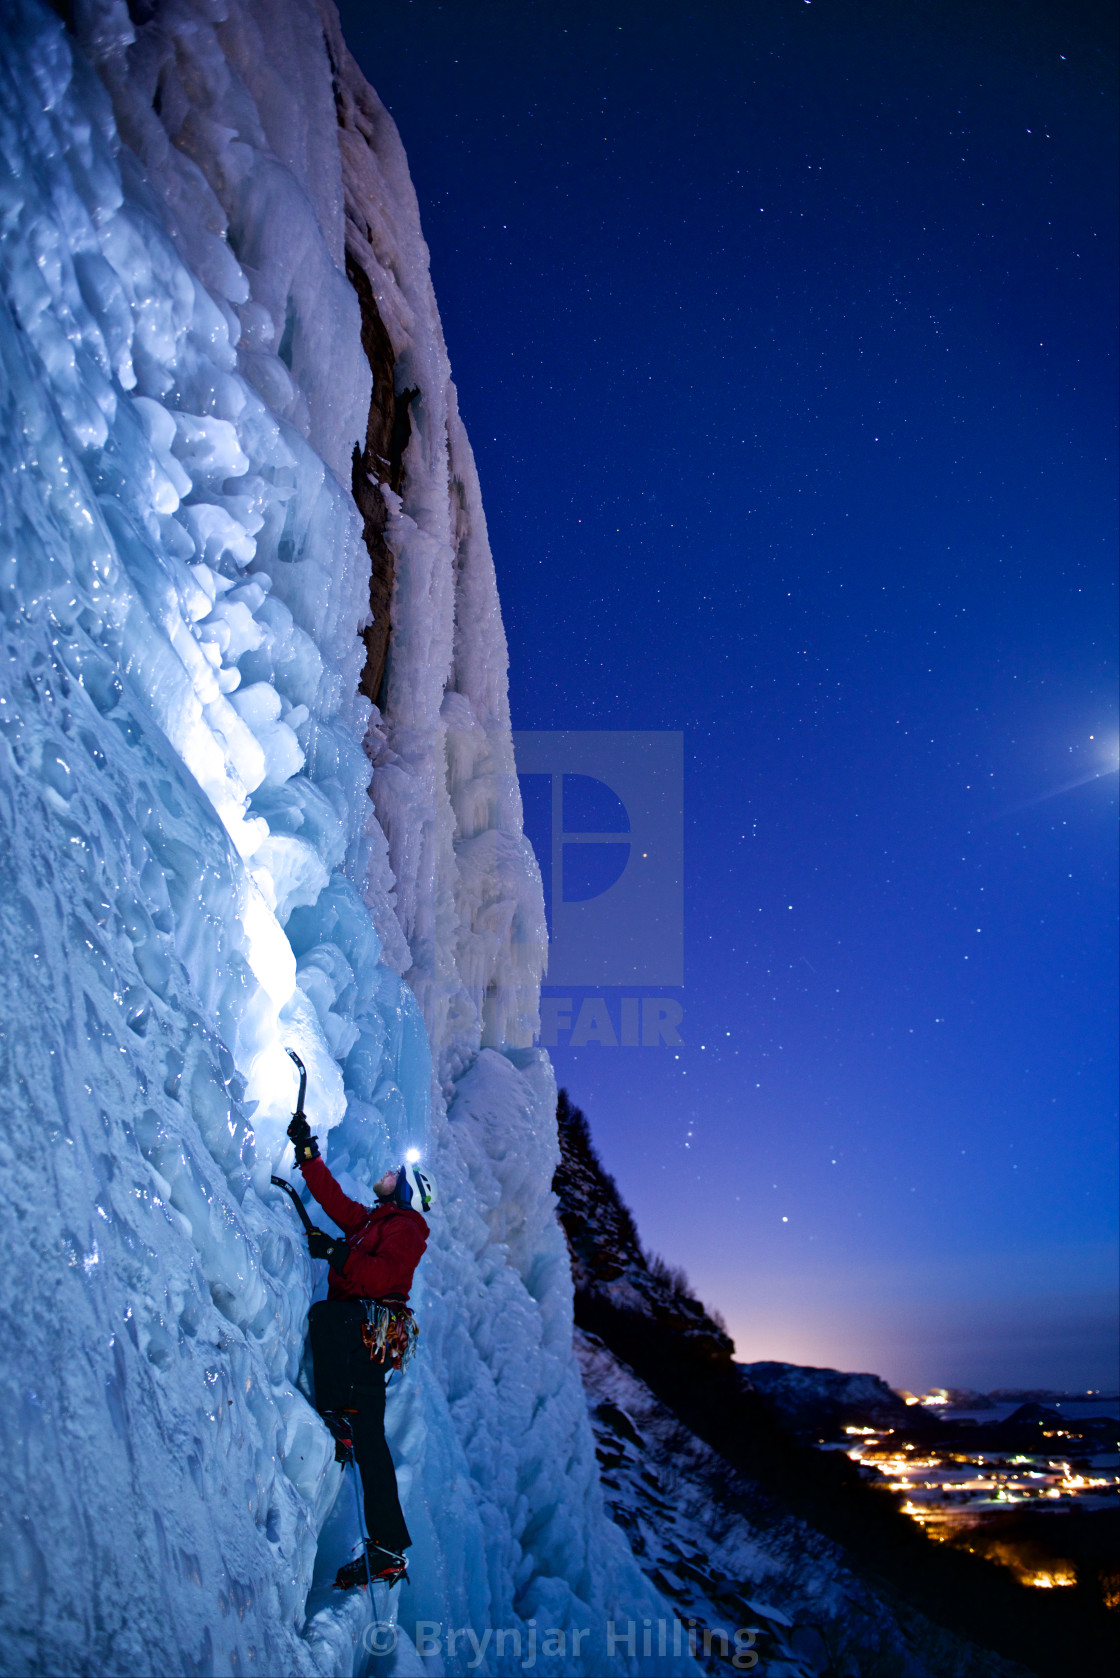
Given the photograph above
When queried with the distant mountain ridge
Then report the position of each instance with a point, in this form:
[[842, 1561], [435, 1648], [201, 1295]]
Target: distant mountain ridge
[[824, 1400]]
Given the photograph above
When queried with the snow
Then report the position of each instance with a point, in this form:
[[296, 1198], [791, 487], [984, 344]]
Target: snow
[[195, 878], [727, 1557]]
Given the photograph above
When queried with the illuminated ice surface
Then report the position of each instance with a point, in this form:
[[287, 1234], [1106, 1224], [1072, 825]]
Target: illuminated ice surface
[[194, 877]]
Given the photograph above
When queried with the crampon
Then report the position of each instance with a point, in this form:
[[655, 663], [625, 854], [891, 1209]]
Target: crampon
[[378, 1567]]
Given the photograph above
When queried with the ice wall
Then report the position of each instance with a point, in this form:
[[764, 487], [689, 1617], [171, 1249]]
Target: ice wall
[[194, 876]]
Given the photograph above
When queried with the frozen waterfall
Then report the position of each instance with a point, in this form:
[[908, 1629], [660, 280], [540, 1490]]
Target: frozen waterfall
[[215, 846]]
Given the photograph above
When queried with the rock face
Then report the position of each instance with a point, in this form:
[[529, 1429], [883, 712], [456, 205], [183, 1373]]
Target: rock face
[[818, 1401], [609, 1266]]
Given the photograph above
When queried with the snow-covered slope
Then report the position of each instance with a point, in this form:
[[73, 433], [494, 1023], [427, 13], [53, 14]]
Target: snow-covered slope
[[732, 1519], [731, 1558], [215, 846]]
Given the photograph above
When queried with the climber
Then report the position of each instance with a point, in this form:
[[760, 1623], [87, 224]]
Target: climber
[[361, 1332]]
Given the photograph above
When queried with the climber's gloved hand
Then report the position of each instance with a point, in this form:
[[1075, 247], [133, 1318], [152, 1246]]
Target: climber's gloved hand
[[323, 1246], [305, 1144]]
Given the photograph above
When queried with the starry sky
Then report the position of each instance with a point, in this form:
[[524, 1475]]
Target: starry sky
[[784, 334]]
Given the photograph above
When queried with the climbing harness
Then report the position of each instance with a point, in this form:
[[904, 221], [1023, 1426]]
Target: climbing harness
[[390, 1331]]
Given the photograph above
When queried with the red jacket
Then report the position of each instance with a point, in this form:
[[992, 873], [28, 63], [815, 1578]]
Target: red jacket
[[386, 1242]]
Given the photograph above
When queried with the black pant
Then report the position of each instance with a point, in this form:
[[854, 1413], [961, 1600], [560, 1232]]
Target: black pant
[[347, 1378]]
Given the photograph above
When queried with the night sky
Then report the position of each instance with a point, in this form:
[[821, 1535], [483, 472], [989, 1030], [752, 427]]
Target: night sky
[[784, 334]]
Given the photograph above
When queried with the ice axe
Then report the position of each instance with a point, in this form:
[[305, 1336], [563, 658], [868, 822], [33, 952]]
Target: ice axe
[[299, 1113], [282, 1183]]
